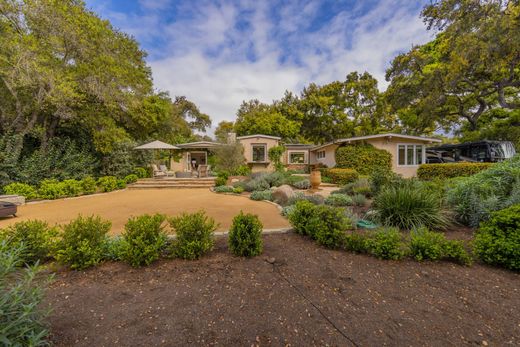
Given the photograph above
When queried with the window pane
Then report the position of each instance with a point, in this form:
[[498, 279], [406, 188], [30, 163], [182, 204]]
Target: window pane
[[400, 155], [409, 155], [297, 158], [419, 155], [258, 153]]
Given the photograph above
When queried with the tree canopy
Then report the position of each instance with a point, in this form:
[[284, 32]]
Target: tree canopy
[[66, 73]]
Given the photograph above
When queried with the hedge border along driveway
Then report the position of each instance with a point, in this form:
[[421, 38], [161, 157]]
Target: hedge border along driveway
[[450, 170]]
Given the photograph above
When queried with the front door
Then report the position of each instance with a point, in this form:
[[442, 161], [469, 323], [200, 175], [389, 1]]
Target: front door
[[197, 158]]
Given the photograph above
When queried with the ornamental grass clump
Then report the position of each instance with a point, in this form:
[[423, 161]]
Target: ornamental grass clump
[[407, 206], [83, 242], [36, 240], [194, 235], [143, 239], [21, 294], [245, 235]]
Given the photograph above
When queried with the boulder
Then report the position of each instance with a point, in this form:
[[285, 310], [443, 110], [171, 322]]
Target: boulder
[[282, 194], [15, 199]]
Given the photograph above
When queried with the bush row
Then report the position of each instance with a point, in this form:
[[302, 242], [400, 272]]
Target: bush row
[[340, 176], [328, 226], [84, 242], [450, 170], [53, 189]]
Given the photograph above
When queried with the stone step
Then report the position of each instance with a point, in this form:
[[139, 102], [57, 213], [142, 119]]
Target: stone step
[[169, 187], [210, 183]]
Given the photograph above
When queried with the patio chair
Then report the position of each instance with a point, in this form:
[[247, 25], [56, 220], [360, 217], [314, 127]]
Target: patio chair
[[165, 170], [156, 172], [203, 171]]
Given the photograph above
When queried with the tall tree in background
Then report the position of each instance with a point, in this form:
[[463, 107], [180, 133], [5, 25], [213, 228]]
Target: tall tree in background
[[66, 73], [471, 68], [223, 129], [254, 117]]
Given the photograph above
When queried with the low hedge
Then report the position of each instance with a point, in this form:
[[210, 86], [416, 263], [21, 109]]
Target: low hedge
[[341, 176], [450, 170], [363, 158]]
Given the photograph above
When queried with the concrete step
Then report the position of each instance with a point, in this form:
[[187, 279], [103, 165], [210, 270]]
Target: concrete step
[[173, 183], [168, 187]]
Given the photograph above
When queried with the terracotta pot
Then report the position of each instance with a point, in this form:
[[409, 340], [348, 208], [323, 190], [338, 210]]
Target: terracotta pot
[[315, 179]]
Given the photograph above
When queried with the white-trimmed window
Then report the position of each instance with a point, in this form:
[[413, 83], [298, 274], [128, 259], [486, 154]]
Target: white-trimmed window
[[320, 154], [297, 157], [258, 151], [410, 155]]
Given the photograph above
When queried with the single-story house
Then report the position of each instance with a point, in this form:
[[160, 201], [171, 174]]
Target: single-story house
[[407, 151]]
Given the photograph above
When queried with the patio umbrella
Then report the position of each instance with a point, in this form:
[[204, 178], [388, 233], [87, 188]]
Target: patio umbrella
[[157, 145]]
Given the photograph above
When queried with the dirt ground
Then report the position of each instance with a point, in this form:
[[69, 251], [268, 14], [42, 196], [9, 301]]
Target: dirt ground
[[308, 296], [118, 206]]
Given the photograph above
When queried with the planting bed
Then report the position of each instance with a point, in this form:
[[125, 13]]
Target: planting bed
[[308, 296]]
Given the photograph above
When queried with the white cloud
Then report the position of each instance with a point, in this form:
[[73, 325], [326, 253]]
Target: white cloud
[[219, 53]]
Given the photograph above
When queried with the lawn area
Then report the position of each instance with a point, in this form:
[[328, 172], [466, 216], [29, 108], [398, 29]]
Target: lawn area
[[118, 206], [226, 300]]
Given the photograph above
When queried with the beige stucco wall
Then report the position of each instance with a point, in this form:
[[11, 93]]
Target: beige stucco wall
[[179, 165], [330, 156], [248, 152], [390, 145]]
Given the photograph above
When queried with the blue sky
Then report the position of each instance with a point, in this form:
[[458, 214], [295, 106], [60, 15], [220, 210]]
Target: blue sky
[[219, 53]]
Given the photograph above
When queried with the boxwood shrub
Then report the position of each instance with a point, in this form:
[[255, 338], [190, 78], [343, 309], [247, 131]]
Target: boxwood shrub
[[497, 241], [245, 235], [429, 245], [341, 176], [363, 158], [83, 242], [143, 239], [36, 240], [107, 183], [194, 235], [23, 189], [450, 170], [88, 185], [386, 244]]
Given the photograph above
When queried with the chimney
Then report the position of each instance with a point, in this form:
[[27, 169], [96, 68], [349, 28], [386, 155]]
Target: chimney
[[231, 138]]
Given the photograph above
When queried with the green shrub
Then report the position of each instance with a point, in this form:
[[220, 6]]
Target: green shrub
[[132, 178], [302, 217], [143, 239], [364, 159], [83, 242], [262, 195], [194, 235], [329, 225], [107, 183], [286, 210], [473, 198], [303, 184], [88, 185], [355, 242], [359, 200], [381, 178], [21, 313], [50, 189], [386, 244], [450, 170], [242, 170], [220, 181], [338, 200], [292, 179], [113, 249], [429, 245], [275, 179], [142, 172], [35, 238], [121, 184], [245, 235], [360, 186], [316, 199], [497, 242], [29, 192], [340, 175], [71, 188], [409, 207], [238, 190], [223, 189]]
